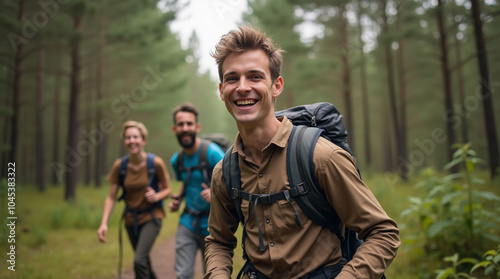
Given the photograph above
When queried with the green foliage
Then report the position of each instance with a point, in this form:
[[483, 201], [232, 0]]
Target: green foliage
[[491, 263], [452, 272], [40, 237], [453, 216], [57, 221], [56, 239]]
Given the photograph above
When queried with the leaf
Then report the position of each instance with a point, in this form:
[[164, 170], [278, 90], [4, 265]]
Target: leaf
[[444, 273], [449, 197], [459, 151], [437, 228], [468, 260], [406, 212], [489, 269], [415, 200], [435, 190], [453, 258], [453, 176], [477, 180], [488, 195], [496, 259], [490, 252], [478, 265], [470, 165], [453, 163], [478, 161], [471, 153]]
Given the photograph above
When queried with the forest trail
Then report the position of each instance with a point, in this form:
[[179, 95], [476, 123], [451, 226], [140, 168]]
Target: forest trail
[[163, 258]]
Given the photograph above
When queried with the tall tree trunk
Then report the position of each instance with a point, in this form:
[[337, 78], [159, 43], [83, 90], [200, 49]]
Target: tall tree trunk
[[7, 122], [40, 164], [88, 124], [403, 153], [364, 93], [104, 157], [71, 150], [448, 98], [392, 90], [99, 150], [346, 76], [387, 141], [290, 92], [57, 121], [489, 116], [16, 101], [461, 92]]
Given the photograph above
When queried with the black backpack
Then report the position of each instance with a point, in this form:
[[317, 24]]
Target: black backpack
[[153, 179], [153, 183], [203, 165], [310, 122]]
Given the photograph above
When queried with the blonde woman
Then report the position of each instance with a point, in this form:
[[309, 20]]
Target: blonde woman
[[144, 203]]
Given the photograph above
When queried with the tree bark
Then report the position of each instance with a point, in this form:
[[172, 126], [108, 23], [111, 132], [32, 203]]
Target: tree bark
[[392, 90], [448, 98], [99, 150], [364, 94], [88, 124], [7, 122], [403, 152], [461, 92], [41, 159], [487, 101], [71, 150], [57, 122], [346, 76], [16, 101]]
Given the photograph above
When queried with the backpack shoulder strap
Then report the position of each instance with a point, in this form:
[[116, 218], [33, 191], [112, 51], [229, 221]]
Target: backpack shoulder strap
[[203, 165], [179, 165], [153, 179], [232, 178], [300, 170], [121, 175]]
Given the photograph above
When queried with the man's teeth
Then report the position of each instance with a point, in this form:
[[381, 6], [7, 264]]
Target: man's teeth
[[245, 103]]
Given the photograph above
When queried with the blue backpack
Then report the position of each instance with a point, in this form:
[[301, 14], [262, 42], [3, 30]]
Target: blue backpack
[[310, 122]]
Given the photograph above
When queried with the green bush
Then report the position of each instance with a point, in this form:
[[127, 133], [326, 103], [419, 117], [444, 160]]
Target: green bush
[[490, 266], [453, 216], [57, 218]]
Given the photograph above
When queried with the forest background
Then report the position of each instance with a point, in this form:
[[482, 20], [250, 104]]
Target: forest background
[[411, 77]]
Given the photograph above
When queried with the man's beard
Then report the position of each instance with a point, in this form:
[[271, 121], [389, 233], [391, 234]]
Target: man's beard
[[187, 144]]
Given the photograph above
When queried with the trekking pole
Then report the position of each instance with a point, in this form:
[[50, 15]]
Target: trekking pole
[[120, 245]]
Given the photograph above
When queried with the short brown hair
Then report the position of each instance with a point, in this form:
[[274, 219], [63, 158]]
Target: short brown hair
[[248, 38], [135, 124], [186, 107]]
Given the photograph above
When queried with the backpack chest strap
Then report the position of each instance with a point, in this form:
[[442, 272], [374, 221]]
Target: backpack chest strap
[[266, 199], [301, 189]]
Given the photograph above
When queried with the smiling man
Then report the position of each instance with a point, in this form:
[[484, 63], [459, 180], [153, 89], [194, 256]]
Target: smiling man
[[275, 245], [197, 157]]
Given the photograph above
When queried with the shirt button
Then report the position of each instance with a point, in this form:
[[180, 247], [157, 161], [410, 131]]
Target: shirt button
[[267, 221], [260, 175], [272, 244]]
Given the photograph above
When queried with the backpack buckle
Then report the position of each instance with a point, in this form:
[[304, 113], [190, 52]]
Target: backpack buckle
[[235, 193], [301, 188], [265, 199]]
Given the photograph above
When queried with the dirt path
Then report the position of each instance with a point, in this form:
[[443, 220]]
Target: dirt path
[[163, 258]]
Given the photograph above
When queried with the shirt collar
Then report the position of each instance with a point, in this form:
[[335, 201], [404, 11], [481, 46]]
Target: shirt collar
[[279, 139]]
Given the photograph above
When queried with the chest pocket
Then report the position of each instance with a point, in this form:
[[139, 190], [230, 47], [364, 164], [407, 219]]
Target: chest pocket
[[285, 215]]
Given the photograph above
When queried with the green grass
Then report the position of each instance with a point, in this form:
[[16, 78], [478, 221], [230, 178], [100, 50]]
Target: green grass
[[55, 238]]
